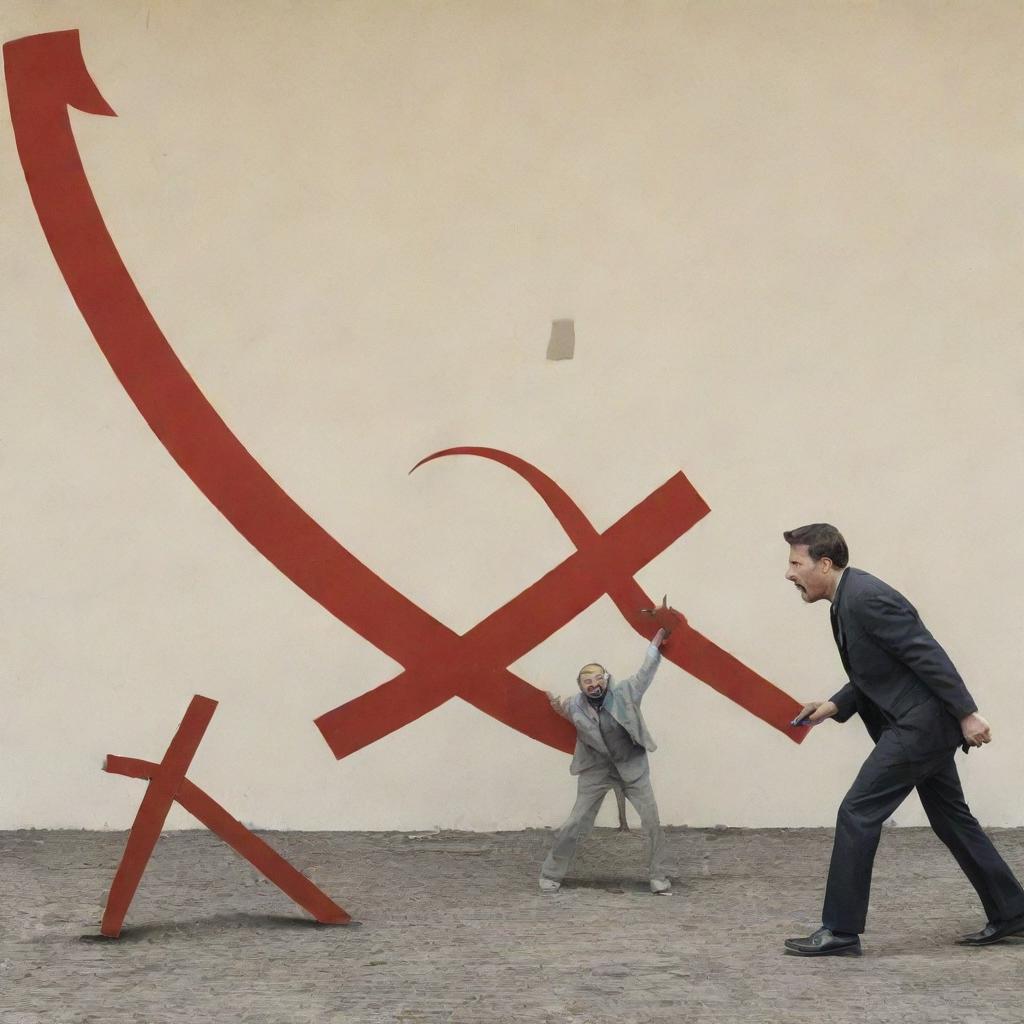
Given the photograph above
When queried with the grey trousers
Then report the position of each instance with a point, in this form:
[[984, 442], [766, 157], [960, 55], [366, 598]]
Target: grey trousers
[[592, 787]]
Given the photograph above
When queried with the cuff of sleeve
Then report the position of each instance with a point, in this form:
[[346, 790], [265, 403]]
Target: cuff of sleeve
[[844, 713]]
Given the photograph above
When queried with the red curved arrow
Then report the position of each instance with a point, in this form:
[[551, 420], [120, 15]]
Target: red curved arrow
[[45, 74]]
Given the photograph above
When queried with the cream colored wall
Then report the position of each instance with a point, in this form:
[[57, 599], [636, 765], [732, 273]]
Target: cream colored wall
[[789, 235]]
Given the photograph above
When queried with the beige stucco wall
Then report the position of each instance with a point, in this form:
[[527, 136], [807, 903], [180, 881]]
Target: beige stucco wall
[[789, 235]]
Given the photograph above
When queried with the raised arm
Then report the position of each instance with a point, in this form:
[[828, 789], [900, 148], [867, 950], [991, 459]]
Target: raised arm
[[560, 705], [643, 677]]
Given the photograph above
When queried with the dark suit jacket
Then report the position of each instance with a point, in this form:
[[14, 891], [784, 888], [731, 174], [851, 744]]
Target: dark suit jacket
[[899, 674]]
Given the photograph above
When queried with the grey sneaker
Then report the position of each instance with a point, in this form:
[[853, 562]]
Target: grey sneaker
[[549, 885], [661, 887]]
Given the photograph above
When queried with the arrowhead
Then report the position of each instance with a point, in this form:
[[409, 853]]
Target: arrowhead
[[49, 68]]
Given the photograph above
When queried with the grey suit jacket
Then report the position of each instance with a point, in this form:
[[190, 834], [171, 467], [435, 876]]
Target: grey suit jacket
[[899, 675], [622, 702]]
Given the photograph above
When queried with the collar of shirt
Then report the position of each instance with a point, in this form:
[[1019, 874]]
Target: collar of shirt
[[835, 593], [588, 709]]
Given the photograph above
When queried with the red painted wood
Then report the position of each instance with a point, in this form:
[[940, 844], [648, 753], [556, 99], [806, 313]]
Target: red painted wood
[[149, 820], [263, 857]]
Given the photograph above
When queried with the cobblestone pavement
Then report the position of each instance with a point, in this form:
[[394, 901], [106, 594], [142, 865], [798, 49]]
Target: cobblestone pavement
[[453, 929]]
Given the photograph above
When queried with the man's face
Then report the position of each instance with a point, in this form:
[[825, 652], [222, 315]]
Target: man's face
[[593, 680], [812, 578]]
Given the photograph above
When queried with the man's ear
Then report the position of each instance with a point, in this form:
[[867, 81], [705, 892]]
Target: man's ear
[[826, 563]]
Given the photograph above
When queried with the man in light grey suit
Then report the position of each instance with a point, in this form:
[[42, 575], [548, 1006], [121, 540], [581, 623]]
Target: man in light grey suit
[[612, 742]]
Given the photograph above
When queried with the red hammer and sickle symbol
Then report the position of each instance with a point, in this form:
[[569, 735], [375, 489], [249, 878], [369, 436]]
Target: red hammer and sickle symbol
[[45, 74]]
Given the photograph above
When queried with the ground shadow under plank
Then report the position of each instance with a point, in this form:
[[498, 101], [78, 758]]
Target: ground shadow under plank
[[217, 923]]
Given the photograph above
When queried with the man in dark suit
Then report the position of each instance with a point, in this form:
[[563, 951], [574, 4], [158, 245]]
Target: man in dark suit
[[918, 711]]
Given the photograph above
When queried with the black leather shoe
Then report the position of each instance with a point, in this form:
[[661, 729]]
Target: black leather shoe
[[824, 943], [993, 933]]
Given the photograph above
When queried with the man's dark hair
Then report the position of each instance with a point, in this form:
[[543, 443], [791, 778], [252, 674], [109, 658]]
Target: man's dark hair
[[823, 540]]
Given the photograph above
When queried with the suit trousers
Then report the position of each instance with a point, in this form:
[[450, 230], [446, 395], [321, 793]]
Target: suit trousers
[[591, 788], [883, 783]]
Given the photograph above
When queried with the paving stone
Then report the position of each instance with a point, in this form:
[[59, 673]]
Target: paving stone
[[453, 929]]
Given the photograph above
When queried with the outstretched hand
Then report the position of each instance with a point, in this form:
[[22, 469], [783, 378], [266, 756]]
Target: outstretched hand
[[555, 702], [814, 712]]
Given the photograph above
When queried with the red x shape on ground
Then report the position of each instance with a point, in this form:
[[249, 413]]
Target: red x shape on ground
[[45, 74], [167, 784]]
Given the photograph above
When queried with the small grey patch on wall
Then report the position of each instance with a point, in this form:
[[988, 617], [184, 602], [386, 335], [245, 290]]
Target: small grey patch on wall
[[563, 340]]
